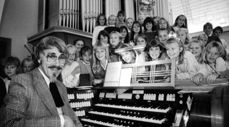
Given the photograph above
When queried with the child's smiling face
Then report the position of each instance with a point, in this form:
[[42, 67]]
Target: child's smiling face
[[195, 49], [173, 50], [114, 40], [212, 55], [154, 52]]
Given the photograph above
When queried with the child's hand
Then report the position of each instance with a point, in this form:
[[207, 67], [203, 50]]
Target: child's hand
[[97, 81], [182, 76], [131, 43], [212, 78], [198, 78]]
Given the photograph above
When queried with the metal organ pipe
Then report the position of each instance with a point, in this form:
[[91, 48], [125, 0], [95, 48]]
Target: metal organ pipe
[[69, 13]]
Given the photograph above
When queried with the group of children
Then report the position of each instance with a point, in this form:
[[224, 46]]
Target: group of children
[[196, 59]]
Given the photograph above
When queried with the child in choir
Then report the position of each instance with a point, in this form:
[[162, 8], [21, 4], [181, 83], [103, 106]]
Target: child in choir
[[141, 19], [112, 20], [182, 33], [11, 68], [111, 24], [72, 52], [71, 71], [85, 62], [208, 29], [101, 23], [148, 29], [121, 19], [78, 44], [103, 37], [27, 64], [115, 43], [213, 61], [196, 47], [155, 22], [128, 55], [124, 34], [186, 64], [141, 41], [218, 31], [100, 61], [203, 38], [136, 29], [163, 24], [129, 23], [163, 35], [180, 22], [155, 51]]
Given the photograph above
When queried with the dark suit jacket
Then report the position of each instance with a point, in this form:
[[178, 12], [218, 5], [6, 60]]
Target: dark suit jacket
[[29, 103], [2, 91]]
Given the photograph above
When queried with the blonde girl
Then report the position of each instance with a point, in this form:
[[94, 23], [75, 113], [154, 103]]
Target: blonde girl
[[214, 64], [180, 22], [100, 61], [182, 33], [196, 47], [186, 64]]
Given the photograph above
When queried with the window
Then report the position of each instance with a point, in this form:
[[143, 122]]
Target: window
[[198, 12]]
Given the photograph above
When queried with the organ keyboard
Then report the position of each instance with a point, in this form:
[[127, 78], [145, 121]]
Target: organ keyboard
[[136, 107]]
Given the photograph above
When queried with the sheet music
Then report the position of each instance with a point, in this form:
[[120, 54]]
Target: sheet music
[[125, 78], [113, 74]]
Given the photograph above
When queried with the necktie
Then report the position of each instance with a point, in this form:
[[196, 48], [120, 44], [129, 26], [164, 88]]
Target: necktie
[[56, 95]]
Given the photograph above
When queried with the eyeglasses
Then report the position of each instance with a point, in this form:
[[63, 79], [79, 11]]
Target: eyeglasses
[[53, 58]]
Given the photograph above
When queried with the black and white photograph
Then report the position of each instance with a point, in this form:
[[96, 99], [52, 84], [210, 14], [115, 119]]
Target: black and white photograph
[[114, 63]]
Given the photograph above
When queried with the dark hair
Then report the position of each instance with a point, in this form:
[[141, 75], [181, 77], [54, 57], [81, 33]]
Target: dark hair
[[75, 41], [97, 19], [84, 50], [132, 32], [121, 12], [48, 42], [126, 40], [207, 24], [140, 36], [184, 25], [11, 60], [154, 43], [218, 28], [148, 20], [103, 33]]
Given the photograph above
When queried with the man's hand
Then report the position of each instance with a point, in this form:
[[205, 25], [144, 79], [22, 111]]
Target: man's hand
[[68, 122]]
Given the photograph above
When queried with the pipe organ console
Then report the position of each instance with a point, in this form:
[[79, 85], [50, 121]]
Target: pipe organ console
[[136, 107], [158, 104]]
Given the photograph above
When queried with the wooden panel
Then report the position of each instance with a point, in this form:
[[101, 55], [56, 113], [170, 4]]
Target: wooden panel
[[5, 47]]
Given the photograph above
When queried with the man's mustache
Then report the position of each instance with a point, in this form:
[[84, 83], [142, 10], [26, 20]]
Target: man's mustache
[[53, 67]]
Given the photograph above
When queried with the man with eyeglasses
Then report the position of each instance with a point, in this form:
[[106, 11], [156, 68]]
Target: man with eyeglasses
[[37, 98]]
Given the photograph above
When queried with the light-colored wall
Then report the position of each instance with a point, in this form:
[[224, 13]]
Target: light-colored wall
[[2, 2], [19, 21]]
